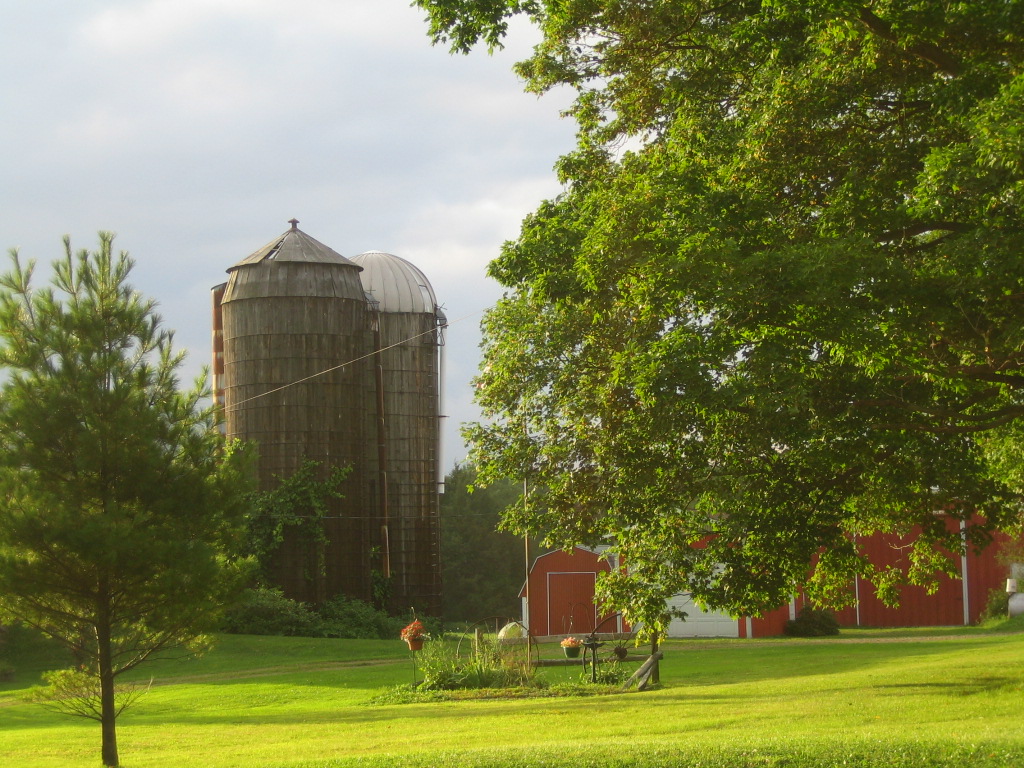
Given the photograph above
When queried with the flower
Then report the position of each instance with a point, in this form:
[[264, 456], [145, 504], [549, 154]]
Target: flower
[[414, 631], [572, 642]]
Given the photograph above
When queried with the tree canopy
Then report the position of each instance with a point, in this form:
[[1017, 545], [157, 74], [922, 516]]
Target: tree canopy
[[484, 569], [779, 304], [119, 500]]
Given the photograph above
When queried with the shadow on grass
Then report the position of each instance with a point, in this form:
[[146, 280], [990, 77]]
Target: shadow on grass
[[960, 688]]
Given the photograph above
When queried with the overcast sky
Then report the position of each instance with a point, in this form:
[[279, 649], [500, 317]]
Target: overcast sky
[[195, 129]]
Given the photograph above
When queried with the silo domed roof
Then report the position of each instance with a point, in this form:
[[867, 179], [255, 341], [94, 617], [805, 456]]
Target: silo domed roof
[[395, 283], [294, 245]]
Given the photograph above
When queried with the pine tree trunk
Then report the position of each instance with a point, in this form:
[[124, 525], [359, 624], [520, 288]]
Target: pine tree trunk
[[108, 712]]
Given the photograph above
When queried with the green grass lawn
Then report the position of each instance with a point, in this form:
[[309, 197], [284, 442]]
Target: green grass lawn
[[866, 699]]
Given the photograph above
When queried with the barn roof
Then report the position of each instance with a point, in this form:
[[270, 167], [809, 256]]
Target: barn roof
[[398, 285], [294, 246]]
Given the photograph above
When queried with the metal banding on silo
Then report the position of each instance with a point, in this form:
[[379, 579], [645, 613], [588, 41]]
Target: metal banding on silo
[[294, 322], [408, 329], [319, 357]]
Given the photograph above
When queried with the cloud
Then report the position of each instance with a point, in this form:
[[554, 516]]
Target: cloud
[[196, 128]]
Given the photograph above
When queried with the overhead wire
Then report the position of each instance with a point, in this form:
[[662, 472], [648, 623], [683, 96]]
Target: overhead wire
[[353, 361]]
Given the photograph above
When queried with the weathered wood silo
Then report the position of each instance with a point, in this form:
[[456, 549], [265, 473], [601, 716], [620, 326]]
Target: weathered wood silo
[[408, 329], [294, 326]]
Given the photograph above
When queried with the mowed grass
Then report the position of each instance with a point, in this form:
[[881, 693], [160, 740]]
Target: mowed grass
[[866, 699]]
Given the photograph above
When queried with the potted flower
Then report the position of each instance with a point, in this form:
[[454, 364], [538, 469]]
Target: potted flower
[[571, 646], [414, 634]]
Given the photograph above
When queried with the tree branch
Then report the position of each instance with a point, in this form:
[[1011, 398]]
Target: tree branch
[[943, 61], [905, 233]]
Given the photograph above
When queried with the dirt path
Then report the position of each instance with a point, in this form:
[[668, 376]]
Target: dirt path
[[280, 669]]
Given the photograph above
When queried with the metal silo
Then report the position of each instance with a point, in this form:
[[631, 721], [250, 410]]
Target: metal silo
[[294, 328], [407, 327]]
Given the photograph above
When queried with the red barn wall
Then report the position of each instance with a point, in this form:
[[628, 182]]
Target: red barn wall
[[561, 593], [917, 608]]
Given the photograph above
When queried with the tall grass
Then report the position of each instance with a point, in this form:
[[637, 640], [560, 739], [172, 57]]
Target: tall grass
[[261, 702]]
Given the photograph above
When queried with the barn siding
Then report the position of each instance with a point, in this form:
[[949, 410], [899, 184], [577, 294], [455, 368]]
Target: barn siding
[[944, 608], [565, 604]]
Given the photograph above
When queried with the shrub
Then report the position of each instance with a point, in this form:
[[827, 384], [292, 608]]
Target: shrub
[[349, 618], [25, 652], [265, 611], [486, 667], [268, 612], [608, 673], [441, 667], [996, 607], [812, 622]]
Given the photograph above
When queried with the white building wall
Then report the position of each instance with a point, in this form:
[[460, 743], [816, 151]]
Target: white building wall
[[700, 623]]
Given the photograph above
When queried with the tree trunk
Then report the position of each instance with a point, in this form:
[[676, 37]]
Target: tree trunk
[[108, 712]]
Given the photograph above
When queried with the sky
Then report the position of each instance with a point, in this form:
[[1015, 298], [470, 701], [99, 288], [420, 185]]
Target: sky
[[195, 129]]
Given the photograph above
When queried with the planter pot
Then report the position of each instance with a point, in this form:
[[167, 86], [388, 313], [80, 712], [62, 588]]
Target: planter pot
[[571, 653], [415, 645]]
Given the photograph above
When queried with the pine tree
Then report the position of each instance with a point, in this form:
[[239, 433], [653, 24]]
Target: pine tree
[[119, 500]]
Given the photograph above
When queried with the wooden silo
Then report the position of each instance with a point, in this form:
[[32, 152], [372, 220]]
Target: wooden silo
[[294, 326], [408, 331]]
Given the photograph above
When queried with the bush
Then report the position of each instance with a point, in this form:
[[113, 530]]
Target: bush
[[608, 673], [488, 666], [269, 612], [812, 622], [25, 652], [441, 667], [996, 607], [349, 618]]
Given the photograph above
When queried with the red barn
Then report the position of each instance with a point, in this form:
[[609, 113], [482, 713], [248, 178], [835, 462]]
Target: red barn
[[958, 601], [558, 597]]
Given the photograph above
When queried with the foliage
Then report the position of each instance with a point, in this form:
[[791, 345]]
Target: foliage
[[349, 618], [294, 510], [264, 611], [780, 303], [483, 569], [441, 667], [119, 501], [28, 652], [811, 622], [608, 673], [997, 606], [74, 691], [489, 665]]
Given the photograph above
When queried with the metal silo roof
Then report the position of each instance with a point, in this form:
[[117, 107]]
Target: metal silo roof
[[398, 285], [294, 246]]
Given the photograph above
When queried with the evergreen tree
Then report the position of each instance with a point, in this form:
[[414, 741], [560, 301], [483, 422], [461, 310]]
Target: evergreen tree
[[484, 568], [118, 497]]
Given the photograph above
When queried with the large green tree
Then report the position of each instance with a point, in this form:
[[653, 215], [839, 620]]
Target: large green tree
[[118, 497], [779, 304]]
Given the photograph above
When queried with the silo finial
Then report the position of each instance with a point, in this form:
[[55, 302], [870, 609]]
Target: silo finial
[[294, 223]]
